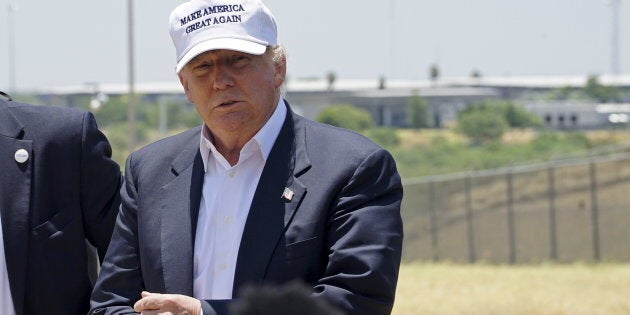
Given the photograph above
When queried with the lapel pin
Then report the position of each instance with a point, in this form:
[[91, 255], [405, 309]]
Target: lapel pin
[[21, 156], [287, 194]]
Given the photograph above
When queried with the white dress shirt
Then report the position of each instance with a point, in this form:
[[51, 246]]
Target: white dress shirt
[[226, 198], [6, 302]]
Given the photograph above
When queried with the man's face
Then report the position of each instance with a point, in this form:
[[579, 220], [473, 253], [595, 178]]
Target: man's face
[[234, 92]]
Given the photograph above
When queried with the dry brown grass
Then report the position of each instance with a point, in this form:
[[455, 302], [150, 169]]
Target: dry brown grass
[[449, 289], [411, 138], [519, 136], [608, 137]]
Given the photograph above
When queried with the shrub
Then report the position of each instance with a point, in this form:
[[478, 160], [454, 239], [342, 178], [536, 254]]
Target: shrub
[[545, 141], [482, 126], [599, 92], [515, 116], [346, 116], [386, 137], [518, 117]]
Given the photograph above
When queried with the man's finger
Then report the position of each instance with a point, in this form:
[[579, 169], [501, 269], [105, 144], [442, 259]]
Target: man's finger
[[147, 303]]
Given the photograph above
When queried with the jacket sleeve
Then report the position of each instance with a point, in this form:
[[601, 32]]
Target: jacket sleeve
[[100, 185], [120, 281], [364, 240]]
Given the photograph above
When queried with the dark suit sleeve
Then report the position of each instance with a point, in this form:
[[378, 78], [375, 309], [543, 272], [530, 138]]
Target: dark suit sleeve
[[100, 185], [215, 307], [364, 240], [120, 281]]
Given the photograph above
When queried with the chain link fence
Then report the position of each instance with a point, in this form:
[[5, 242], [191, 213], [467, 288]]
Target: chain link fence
[[564, 211]]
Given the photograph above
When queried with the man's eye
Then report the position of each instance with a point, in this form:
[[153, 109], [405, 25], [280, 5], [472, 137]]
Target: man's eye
[[202, 66], [239, 59]]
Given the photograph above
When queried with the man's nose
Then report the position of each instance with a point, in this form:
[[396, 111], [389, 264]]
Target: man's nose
[[223, 77]]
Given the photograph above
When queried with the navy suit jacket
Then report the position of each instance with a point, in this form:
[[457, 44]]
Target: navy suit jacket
[[341, 232], [65, 193]]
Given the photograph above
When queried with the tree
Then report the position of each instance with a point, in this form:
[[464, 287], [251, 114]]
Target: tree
[[600, 92], [475, 74], [434, 73], [518, 117], [346, 116], [381, 82], [482, 126], [515, 116], [331, 77], [386, 137], [418, 113], [488, 120], [561, 93]]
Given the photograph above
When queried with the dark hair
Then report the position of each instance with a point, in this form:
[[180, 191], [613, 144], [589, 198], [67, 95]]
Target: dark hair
[[293, 298]]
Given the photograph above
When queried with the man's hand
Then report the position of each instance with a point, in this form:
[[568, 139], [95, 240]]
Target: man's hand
[[167, 304]]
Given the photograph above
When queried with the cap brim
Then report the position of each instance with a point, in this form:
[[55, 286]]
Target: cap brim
[[221, 43]]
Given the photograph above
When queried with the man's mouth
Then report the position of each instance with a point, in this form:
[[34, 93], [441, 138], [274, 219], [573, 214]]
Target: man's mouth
[[228, 103]]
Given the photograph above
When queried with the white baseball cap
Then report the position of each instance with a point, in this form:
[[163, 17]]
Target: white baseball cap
[[198, 26]]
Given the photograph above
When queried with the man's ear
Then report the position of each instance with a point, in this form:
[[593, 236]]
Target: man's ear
[[184, 83], [281, 72]]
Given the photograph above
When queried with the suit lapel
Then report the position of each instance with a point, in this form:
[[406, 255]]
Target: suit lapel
[[270, 212], [179, 210], [15, 196]]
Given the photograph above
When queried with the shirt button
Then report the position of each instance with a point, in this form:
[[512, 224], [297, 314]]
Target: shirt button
[[231, 173], [227, 219], [222, 266]]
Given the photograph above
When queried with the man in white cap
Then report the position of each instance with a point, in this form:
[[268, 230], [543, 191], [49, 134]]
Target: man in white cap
[[256, 195]]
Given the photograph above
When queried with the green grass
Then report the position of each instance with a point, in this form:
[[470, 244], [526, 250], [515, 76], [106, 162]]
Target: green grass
[[547, 289], [423, 153]]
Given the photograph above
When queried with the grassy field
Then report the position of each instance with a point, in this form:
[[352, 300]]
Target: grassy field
[[432, 152], [577, 289]]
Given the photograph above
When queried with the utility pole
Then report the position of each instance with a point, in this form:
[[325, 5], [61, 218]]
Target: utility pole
[[615, 67], [131, 108], [392, 38], [11, 8]]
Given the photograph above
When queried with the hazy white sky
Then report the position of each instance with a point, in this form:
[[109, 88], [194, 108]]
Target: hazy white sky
[[69, 42]]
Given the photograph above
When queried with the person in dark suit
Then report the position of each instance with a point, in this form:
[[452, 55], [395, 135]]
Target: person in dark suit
[[58, 189], [256, 195]]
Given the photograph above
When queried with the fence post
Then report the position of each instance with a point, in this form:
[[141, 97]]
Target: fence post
[[472, 255], [553, 241], [433, 221], [594, 211], [510, 218]]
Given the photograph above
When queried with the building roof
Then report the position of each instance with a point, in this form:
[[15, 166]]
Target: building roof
[[362, 85]]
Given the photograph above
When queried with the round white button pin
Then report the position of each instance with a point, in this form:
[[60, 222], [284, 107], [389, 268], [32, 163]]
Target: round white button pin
[[21, 156]]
